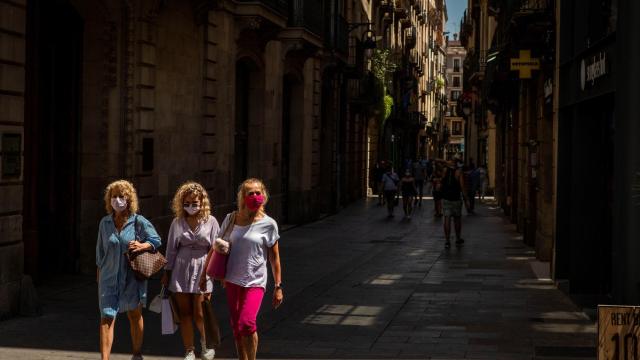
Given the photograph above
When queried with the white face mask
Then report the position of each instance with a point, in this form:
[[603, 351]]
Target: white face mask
[[118, 204], [191, 210]]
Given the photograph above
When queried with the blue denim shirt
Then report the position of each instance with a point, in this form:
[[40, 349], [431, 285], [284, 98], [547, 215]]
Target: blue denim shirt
[[119, 290]]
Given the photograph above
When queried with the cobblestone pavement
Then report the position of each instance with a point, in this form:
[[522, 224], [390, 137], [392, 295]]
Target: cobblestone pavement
[[359, 285]]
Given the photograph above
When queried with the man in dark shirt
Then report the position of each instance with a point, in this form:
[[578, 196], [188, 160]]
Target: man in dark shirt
[[452, 194]]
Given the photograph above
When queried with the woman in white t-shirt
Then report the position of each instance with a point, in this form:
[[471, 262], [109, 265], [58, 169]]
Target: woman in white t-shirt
[[253, 242], [390, 182]]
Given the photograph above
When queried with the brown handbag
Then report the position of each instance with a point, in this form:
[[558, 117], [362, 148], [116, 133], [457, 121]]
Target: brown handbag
[[211, 326], [145, 263]]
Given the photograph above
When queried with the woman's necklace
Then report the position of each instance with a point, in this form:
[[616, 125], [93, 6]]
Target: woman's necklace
[[192, 222], [119, 221]]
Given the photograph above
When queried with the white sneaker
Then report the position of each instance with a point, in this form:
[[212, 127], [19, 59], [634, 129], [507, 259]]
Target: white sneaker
[[190, 355], [207, 354]]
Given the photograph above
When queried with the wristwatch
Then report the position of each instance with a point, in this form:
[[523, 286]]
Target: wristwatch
[[278, 286]]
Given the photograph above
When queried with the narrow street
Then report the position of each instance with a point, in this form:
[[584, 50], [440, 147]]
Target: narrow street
[[358, 285]]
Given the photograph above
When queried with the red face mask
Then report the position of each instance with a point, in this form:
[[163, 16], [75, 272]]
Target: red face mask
[[253, 202]]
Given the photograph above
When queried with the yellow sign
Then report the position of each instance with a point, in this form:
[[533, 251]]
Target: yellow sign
[[524, 64], [618, 332]]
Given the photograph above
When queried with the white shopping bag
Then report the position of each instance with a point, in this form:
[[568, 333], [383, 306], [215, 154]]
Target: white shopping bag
[[168, 326], [156, 304]]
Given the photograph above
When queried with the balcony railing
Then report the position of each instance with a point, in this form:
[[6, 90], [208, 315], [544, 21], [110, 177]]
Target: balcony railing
[[411, 37], [279, 6], [307, 14], [533, 5], [475, 62]]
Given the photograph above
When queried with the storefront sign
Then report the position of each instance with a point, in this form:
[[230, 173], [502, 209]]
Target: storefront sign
[[618, 332], [593, 68], [525, 64]]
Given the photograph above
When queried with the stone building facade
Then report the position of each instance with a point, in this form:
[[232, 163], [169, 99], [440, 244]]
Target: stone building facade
[[515, 110], [160, 92], [454, 119], [413, 32]]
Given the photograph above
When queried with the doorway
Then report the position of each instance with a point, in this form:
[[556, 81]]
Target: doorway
[[52, 121], [291, 159], [249, 88]]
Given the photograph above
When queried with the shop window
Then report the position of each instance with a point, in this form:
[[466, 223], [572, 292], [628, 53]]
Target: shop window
[[456, 128]]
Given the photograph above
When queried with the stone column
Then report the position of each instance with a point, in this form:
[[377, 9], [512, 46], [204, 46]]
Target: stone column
[[210, 138], [12, 92], [626, 227], [269, 151], [220, 112], [310, 108]]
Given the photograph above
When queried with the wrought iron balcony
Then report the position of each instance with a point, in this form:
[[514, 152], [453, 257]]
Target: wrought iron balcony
[[534, 5], [337, 34], [422, 17], [307, 14], [411, 37], [405, 23], [400, 10], [386, 5], [279, 6], [475, 64]]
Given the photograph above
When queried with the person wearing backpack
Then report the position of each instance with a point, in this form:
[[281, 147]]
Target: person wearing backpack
[[390, 182]]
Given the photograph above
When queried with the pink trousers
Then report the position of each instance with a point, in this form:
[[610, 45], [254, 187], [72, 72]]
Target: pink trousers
[[244, 304]]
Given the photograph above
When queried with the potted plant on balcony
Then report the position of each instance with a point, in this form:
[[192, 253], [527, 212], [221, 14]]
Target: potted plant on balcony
[[382, 65]]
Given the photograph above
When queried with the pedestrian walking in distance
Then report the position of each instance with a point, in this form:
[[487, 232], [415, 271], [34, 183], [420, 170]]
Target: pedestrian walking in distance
[[408, 188], [390, 182], [191, 235], [122, 230], [452, 195], [483, 177], [253, 242], [420, 174], [378, 171], [436, 189], [470, 186]]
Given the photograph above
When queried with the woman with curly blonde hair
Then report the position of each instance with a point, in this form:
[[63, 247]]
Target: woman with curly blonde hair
[[192, 233], [122, 230], [253, 242]]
